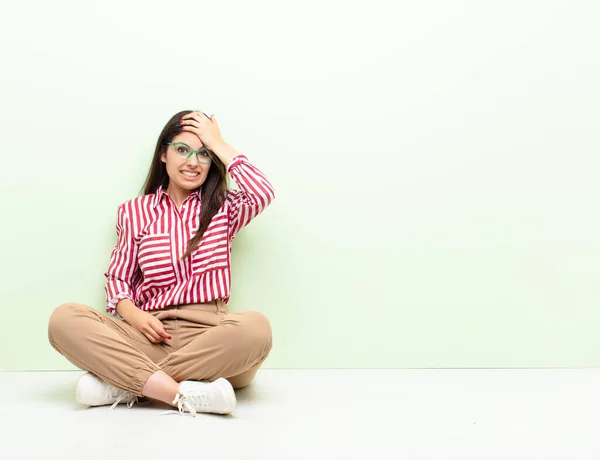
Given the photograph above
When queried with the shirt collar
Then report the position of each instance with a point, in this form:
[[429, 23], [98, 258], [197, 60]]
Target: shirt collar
[[161, 193]]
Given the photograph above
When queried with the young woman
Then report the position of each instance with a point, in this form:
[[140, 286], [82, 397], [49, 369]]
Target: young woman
[[169, 335]]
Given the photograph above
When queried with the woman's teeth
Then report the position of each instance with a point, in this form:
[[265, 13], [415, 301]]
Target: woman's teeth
[[190, 174]]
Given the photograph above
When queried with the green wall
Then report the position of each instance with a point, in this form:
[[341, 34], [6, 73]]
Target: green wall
[[435, 167]]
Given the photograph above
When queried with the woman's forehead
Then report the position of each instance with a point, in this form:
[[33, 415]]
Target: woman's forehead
[[190, 139]]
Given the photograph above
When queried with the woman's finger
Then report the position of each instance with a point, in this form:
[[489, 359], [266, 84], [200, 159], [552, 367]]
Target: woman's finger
[[149, 331], [160, 330], [189, 120], [197, 116], [192, 116], [149, 337], [191, 129]]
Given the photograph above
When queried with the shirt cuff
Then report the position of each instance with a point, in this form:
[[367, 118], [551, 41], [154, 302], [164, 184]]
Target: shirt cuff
[[236, 161], [111, 308]]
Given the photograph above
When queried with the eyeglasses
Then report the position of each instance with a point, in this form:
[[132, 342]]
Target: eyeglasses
[[184, 151]]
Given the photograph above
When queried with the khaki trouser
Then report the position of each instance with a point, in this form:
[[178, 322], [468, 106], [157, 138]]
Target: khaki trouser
[[208, 342]]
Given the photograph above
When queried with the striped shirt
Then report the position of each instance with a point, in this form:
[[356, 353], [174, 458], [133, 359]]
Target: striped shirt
[[152, 235]]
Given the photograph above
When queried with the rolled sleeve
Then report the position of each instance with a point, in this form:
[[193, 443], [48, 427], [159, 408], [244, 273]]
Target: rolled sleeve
[[123, 265], [254, 195]]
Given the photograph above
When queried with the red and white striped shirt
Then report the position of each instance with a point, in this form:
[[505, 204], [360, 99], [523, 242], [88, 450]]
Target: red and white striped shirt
[[145, 265]]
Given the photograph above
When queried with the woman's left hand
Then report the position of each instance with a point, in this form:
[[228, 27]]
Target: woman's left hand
[[207, 129]]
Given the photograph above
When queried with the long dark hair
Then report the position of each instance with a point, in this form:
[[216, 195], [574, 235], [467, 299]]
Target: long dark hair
[[214, 188]]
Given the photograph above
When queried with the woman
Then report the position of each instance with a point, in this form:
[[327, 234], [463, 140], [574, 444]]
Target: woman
[[168, 279]]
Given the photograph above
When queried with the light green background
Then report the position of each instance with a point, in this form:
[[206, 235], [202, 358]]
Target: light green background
[[435, 163]]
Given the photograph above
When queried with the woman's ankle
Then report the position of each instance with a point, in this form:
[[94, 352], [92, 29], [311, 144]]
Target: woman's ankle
[[162, 387]]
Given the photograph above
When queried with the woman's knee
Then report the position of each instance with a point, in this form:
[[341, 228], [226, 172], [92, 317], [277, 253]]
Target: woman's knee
[[62, 318], [244, 379], [257, 324], [255, 329]]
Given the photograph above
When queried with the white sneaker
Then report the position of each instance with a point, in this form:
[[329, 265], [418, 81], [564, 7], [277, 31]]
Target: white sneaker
[[217, 397], [91, 391]]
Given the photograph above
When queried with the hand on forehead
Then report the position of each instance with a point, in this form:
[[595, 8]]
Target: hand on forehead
[[190, 139]]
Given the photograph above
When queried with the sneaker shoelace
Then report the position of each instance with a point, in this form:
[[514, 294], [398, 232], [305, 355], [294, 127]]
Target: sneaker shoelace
[[189, 400], [120, 395]]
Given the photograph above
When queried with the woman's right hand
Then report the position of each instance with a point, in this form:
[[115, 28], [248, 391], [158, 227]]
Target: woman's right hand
[[143, 321]]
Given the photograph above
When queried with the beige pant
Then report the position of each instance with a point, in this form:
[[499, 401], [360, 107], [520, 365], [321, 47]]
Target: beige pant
[[208, 342]]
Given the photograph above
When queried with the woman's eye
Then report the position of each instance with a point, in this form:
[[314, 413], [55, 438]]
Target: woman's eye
[[204, 153], [181, 149]]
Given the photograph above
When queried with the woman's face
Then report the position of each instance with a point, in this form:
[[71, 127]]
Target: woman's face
[[190, 173]]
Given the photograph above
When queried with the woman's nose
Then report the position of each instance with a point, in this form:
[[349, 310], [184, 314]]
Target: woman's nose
[[193, 160]]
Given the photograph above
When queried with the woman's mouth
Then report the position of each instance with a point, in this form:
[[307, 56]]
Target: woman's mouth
[[190, 174]]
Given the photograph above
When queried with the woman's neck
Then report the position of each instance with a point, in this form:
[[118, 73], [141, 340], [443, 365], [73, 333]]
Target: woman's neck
[[178, 195]]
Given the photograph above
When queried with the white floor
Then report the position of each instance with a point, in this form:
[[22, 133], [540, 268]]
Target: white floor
[[321, 414]]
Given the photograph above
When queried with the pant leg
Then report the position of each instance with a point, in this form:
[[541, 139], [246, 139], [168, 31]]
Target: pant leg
[[110, 349], [244, 379], [230, 345]]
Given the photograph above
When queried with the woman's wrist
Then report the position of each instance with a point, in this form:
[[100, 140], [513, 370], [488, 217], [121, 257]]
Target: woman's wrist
[[225, 152], [125, 307]]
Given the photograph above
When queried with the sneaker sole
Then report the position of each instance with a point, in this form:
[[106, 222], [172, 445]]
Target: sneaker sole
[[228, 394]]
